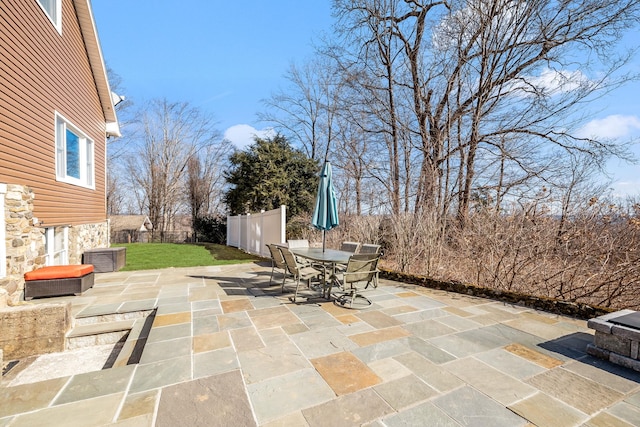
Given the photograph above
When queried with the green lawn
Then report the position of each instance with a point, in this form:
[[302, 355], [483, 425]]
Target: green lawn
[[150, 256]]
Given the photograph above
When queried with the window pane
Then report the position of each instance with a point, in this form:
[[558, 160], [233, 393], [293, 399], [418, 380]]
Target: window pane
[[50, 6], [60, 157], [73, 155]]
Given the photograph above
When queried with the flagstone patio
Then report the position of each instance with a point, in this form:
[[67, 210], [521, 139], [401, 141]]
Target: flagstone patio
[[227, 349]]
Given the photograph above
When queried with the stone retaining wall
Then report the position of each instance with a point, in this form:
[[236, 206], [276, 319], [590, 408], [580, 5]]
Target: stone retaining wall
[[29, 330], [580, 311]]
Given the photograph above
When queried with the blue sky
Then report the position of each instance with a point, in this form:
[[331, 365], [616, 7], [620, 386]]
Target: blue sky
[[225, 56], [221, 56]]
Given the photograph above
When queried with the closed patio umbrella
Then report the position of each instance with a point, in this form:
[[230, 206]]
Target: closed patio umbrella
[[325, 215]]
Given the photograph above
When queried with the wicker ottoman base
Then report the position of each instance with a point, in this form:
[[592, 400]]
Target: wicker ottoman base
[[57, 287]]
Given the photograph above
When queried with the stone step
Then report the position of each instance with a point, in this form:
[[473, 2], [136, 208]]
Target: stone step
[[131, 351], [98, 333], [111, 314]]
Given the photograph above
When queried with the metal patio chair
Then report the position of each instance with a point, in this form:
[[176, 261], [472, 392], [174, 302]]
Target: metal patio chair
[[277, 261], [298, 271], [350, 246], [369, 248], [299, 243], [362, 269]]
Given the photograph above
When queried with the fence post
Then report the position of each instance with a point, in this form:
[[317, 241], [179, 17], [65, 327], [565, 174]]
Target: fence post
[[261, 243], [283, 223], [247, 243]]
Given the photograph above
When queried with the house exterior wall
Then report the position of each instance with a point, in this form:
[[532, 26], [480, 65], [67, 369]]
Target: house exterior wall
[[25, 243], [44, 72]]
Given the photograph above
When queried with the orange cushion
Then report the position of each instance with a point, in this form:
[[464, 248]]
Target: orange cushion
[[59, 272]]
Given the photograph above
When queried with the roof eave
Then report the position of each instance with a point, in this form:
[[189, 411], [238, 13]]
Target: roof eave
[[98, 68]]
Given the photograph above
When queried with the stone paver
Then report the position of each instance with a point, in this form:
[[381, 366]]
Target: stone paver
[[380, 335], [160, 374], [604, 419], [96, 411], [27, 397], [404, 392], [268, 362], [417, 415], [626, 412], [140, 404], [349, 410], [227, 348], [490, 381], [276, 397], [220, 400], [586, 395], [94, 384], [545, 411], [435, 376], [533, 356], [472, 408], [509, 363], [321, 342], [208, 342], [345, 373]]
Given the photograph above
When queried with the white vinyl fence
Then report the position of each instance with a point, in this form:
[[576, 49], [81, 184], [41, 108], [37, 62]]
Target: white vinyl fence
[[251, 232]]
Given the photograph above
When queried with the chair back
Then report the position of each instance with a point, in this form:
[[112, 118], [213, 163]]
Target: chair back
[[361, 268], [369, 248], [276, 256], [290, 260], [301, 243], [350, 246]]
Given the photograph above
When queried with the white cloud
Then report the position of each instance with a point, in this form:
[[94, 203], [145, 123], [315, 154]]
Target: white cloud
[[614, 126], [624, 189], [243, 135], [556, 81], [550, 82]]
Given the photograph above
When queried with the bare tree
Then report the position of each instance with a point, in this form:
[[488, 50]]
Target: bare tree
[[205, 183], [117, 200], [307, 109], [171, 135], [477, 73]]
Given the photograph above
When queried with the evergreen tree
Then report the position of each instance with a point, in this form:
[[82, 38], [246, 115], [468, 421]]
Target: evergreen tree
[[271, 173]]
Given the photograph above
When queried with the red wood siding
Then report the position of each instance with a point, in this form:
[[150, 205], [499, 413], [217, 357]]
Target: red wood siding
[[42, 72]]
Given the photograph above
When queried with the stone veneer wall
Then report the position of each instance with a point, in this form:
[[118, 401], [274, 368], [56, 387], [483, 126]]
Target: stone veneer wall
[[25, 242], [87, 236]]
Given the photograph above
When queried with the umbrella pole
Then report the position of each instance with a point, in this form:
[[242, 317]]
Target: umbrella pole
[[324, 236]]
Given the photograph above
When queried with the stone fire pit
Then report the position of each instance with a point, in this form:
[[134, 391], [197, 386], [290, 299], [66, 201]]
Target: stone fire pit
[[617, 338]]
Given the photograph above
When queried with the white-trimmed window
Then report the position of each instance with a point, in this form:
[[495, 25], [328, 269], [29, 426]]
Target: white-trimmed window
[[57, 245], [53, 9], [74, 155]]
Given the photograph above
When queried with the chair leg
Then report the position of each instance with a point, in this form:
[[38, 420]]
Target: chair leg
[[329, 286], [271, 278], [348, 298], [295, 294], [284, 278], [373, 282]]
